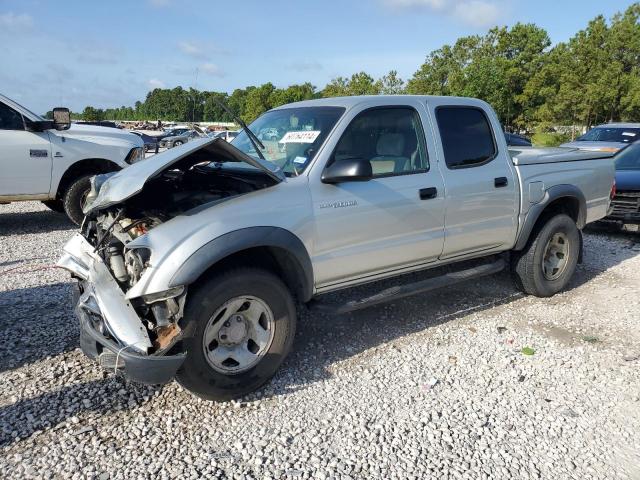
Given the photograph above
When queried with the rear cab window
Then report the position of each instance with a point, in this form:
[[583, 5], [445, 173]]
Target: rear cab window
[[467, 137]]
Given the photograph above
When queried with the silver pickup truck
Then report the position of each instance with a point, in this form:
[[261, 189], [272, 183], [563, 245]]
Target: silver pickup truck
[[191, 264]]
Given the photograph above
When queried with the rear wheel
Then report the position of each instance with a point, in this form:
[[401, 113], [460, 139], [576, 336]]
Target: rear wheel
[[547, 263], [238, 327], [177, 143], [55, 205], [75, 197]]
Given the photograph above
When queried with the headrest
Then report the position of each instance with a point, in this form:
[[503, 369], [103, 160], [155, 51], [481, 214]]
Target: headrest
[[390, 145]]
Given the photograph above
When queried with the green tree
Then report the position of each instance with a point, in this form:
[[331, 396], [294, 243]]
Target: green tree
[[392, 84], [360, 83], [495, 67], [257, 102], [91, 114], [338, 87], [293, 93], [212, 111]]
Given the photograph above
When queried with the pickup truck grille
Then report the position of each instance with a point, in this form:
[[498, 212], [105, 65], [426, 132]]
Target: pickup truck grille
[[626, 206]]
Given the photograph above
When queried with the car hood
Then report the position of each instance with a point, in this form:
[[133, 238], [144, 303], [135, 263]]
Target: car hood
[[598, 146], [96, 132], [118, 187], [627, 180]]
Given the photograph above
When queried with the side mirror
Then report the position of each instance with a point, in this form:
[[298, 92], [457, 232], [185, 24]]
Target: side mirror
[[348, 170], [61, 118]]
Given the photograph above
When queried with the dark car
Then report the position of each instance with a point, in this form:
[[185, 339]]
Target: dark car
[[516, 140], [150, 142], [626, 202]]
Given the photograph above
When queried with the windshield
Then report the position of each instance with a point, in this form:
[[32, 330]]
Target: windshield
[[629, 158], [606, 134], [291, 136]]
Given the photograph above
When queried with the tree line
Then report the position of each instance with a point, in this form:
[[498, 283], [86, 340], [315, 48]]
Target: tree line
[[592, 78]]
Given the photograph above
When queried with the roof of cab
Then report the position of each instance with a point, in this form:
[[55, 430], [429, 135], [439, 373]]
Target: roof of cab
[[376, 100]]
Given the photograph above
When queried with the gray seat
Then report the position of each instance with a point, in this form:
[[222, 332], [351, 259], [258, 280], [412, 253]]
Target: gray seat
[[390, 151]]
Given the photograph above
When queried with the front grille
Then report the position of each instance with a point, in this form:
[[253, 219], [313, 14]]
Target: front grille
[[626, 205]]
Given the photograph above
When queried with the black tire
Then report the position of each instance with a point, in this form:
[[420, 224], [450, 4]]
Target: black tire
[[527, 265], [55, 205], [177, 143], [196, 374], [74, 196]]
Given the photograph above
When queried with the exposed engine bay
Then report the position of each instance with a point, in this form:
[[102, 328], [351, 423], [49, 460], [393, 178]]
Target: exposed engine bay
[[167, 195]]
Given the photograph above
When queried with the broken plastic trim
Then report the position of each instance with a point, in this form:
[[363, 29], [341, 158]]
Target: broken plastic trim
[[166, 295]]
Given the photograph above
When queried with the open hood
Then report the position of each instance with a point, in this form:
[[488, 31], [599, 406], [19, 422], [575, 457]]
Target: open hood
[[126, 183]]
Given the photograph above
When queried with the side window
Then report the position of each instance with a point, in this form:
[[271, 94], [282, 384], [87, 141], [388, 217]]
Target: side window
[[467, 139], [10, 119], [392, 139]]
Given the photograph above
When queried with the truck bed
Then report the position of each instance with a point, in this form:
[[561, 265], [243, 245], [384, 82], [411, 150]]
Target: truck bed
[[571, 168], [535, 155]]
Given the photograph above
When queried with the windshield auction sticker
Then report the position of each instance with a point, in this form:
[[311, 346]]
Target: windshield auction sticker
[[304, 136]]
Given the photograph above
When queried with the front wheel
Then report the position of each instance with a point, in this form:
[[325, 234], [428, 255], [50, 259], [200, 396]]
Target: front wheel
[[238, 327], [547, 263], [75, 197]]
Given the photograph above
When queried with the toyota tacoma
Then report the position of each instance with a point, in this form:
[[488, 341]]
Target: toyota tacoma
[[191, 264]]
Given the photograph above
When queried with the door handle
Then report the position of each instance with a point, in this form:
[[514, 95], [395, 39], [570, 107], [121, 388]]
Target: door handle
[[427, 193], [500, 182]]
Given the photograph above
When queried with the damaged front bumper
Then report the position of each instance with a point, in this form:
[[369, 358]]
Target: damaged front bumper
[[110, 329]]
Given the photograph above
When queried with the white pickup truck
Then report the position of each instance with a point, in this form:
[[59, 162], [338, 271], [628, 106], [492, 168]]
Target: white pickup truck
[[189, 262], [53, 161]]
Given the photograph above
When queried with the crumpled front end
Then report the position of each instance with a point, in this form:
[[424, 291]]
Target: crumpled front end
[[121, 334]]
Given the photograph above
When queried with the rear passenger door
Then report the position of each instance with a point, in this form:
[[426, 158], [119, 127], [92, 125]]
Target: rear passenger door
[[481, 192], [392, 221]]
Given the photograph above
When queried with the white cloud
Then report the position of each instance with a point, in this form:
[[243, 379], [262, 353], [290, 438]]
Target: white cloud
[[477, 13], [212, 69], [12, 21], [193, 50], [155, 83]]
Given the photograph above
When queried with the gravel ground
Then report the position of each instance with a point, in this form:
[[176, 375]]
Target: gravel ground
[[435, 386]]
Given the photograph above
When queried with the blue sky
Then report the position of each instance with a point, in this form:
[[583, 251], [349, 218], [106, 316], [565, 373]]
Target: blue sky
[[111, 53]]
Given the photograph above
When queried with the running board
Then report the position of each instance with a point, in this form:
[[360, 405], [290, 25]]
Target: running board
[[406, 290]]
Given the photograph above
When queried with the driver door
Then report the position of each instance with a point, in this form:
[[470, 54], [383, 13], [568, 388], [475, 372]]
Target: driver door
[[389, 223], [25, 157]]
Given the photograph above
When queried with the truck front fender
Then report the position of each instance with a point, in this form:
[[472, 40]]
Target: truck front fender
[[557, 199], [290, 254]]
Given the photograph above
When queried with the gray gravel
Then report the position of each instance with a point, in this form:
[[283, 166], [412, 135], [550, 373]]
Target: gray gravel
[[433, 386]]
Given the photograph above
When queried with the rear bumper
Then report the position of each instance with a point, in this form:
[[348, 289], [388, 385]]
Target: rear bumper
[[111, 331]]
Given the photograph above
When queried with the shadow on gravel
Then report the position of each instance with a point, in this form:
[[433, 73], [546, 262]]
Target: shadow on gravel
[[50, 410], [36, 323], [40, 221]]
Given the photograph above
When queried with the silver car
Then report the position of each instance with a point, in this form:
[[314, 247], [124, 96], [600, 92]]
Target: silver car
[[180, 139], [609, 137], [191, 264]]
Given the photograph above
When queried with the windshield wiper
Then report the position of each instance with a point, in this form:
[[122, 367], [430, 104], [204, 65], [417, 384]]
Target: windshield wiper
[[255, 141]]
